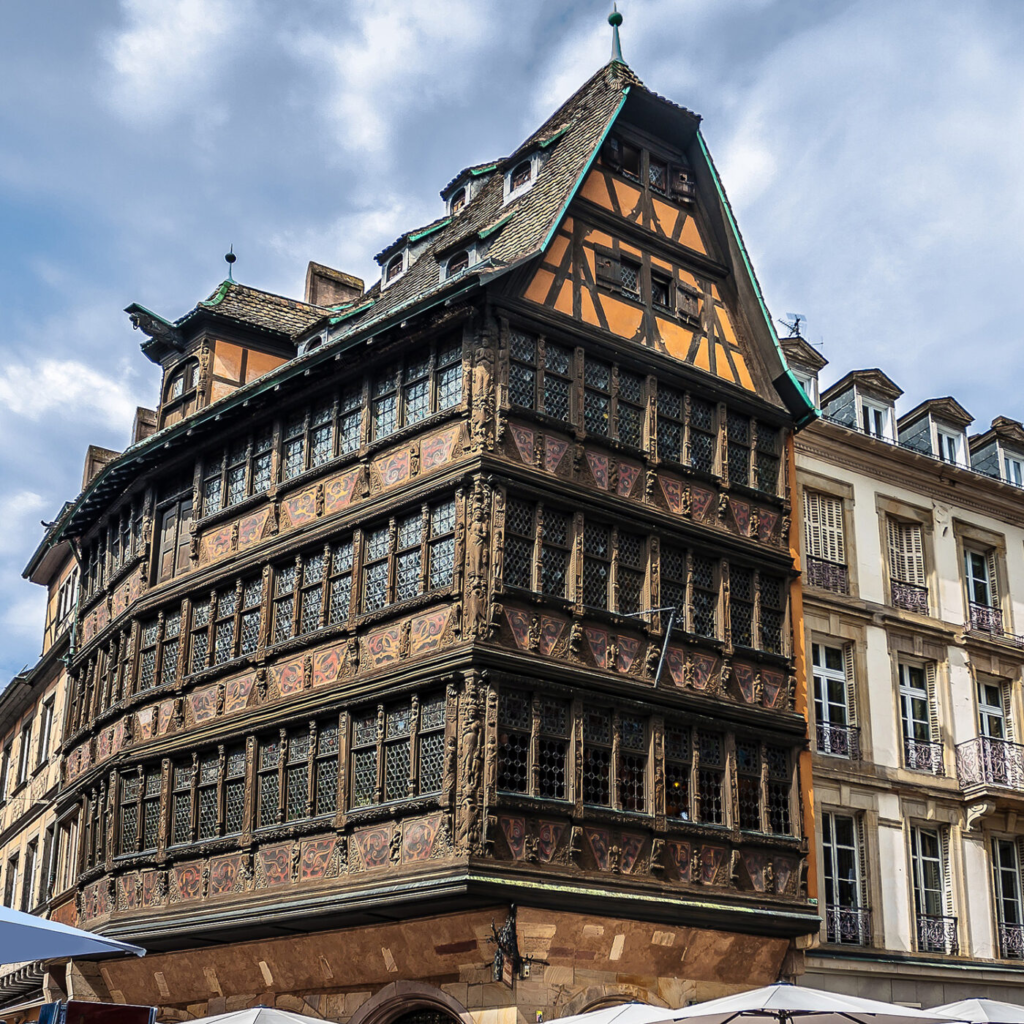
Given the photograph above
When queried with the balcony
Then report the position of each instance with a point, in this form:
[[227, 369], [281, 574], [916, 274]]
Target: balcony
[[827, 575], [923, 756], [838, 740], [985, 761], [910, 597], [937, 934], [1011, 941], [988, 620], [849, 926]]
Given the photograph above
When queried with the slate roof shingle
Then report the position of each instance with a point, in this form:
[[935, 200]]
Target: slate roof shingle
[[254, 308]]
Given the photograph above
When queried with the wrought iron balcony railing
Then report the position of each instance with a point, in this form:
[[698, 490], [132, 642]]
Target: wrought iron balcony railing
[[1011, 941], [984, 619], [839, 740], [937, 934], [850, 926], [986, 761], [910, 597], [923, 756], [827, 575]]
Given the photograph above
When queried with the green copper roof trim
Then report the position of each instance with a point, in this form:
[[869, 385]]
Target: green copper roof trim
[[496, 226], [551, 139], [415, 236], [810, 413], [477, 171], [219, 296], [149, 312], [586, 170], [350, 312]]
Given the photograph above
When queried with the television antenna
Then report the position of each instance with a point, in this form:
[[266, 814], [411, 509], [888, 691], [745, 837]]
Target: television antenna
[[794, 321]]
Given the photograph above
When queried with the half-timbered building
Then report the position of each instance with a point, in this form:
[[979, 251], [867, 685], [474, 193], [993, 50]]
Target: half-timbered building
[[468, 592]]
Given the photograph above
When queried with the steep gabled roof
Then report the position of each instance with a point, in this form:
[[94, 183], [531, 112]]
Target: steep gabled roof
[[1008, 431]]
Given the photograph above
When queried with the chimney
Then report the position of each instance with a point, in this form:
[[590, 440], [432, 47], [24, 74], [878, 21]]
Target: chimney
[[95, 459], [328, 287], [145, 424]]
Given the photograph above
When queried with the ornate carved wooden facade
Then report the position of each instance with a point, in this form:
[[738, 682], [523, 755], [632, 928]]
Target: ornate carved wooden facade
[[482, 595]]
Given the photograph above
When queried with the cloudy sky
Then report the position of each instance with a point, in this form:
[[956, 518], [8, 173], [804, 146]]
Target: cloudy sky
[[873, 151]]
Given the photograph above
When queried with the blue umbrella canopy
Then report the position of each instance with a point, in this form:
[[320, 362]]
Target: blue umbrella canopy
[[24, 937]]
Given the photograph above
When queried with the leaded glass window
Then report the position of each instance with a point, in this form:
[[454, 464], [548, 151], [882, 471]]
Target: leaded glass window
[[200, 635], [409, 556], [522, 374], [171, 645], [678, 770], [520, 537], [296, 776], [293, 460], [671, 428], [710, 777], [766, 466], [341, 581], [442, 544], [704, 597], [209, 776], [326, 769], [182, 777], [397, 740], [558, 368], [375, 568], [738, 437], [131, 787], [151, 808], [779, 785], [148, 634], [268, 783], [252, 609], [597, 400], [741, 605], [630, 408], [632, 763], [632, 570], [597, 756], [311, 594], [515, 720], [703, 435], [597, 564], [224, 630], [556, 543], [748, 784], [234, 790], [772, 615], [431, 744], [364, 759], [285, 579]]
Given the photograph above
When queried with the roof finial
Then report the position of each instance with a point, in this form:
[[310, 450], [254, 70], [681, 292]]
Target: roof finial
[[615, 20], [229, 258]]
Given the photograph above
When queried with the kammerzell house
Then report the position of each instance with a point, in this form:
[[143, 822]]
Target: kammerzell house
[[433, 652]]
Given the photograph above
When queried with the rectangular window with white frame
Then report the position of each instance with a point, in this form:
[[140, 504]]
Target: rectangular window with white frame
[[922, 748], [1006, 877], [1013, 468], [951, 446], [847, 918], [876, 419], [834, 700], [981, 578], [825, 542], [936, 930]]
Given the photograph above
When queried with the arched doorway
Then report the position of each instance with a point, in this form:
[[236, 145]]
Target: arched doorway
[[411, 1002]]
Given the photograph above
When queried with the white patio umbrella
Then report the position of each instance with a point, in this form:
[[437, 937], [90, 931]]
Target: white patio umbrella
[[24, 937], [790, 1004], [623, 1013], [981, 1011], [259, 1015]]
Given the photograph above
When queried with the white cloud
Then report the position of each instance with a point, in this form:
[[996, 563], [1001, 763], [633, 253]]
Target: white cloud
[[168, 55], [23, 619], [383, 63], [20, 513], [67, 389]]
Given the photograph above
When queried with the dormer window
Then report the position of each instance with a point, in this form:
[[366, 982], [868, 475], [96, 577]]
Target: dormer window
[[950, 446], [184, 379], [457, 263], [657, 175], [875, 420], [395, 267], [458, 201], [521, 175], [1014, 469]]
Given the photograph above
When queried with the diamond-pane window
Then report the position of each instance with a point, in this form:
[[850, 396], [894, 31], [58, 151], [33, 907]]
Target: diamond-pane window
[[629, 277], [741, 605], [555, 542]]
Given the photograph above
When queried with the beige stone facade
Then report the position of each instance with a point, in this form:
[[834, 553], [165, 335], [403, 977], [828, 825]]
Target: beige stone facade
[[913, 568]]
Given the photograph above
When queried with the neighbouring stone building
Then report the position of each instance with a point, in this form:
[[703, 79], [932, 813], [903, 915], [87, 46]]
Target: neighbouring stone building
[[468, 591], [31, 715], [913, 590]]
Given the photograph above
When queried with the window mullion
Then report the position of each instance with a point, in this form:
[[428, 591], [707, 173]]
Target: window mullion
[[282, 777], [311, 769], [414, 730], [616, 762]]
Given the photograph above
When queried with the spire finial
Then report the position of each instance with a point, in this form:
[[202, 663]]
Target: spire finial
[[615, 20], [229, 258]]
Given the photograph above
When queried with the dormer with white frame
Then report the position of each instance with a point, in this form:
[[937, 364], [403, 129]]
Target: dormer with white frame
[[401, 254], [863, 400], [521, 169], [999, 452], [938, 427], [806, 362]]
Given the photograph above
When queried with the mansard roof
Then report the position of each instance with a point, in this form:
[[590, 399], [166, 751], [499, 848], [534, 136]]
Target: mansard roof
[[1004, 429], [873, 381], [947, 409]]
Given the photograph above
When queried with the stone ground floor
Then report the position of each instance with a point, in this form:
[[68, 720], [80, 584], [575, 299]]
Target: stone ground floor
[[912, 980], [440, 969]]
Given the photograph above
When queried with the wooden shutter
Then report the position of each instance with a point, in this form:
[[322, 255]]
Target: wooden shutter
[[1005, 698], [862, 862], [947, 873], [823, 527], [851, 685], [168, 535], [933, 703], [608, 270], [896, 569], [992, 566], [611, 152], [913, 548]]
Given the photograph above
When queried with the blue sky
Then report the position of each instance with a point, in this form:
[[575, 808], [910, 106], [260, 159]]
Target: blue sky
[[872, 150]]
